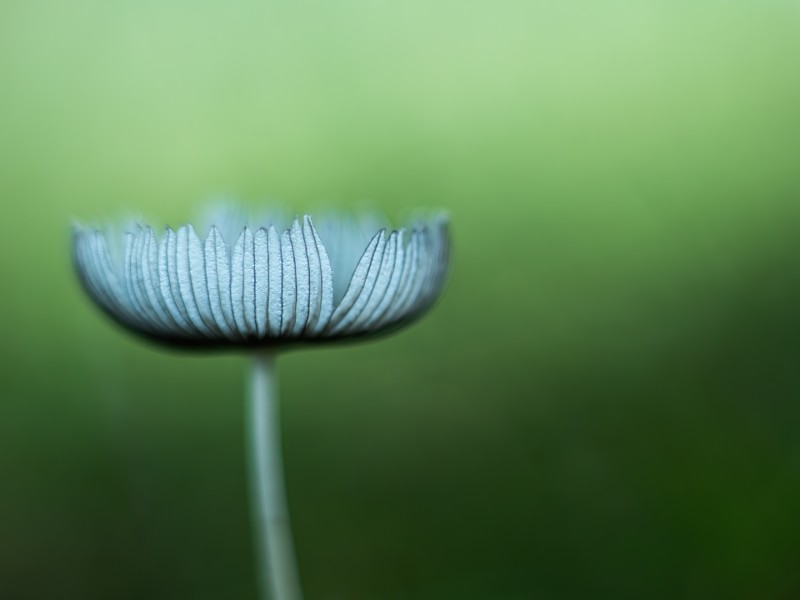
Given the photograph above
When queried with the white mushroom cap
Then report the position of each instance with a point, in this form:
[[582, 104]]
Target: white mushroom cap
[[270, 286]]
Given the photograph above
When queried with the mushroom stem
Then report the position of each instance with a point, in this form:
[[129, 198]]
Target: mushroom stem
[[276, 566]]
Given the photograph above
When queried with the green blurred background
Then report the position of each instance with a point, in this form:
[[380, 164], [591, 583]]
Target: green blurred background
[[605, 403]]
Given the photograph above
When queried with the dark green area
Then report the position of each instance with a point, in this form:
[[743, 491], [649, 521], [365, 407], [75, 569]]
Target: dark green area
[[605, 403]]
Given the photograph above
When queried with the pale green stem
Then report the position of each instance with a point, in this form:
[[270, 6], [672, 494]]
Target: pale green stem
[[276, 567]]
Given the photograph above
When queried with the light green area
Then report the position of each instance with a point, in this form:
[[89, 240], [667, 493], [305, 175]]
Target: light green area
[[604, 404]]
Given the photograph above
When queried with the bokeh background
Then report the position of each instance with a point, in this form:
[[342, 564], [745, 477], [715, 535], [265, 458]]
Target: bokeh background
[[605, 403]]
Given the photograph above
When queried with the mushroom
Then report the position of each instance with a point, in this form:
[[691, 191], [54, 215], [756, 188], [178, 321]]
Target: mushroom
[[264, 290]]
